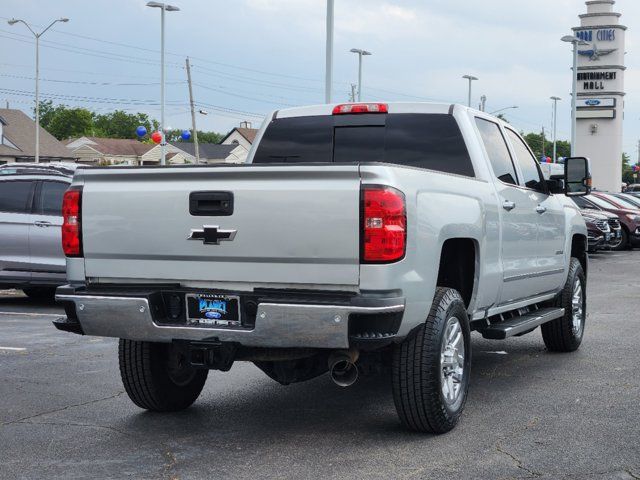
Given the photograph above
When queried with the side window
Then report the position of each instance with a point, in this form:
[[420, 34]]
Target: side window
[[531, 177], [497, 150], [51, 194], [15, 196]]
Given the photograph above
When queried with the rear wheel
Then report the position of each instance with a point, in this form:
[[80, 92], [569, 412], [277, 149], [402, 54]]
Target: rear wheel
[[431, 367], [565, 334], [158, 376]]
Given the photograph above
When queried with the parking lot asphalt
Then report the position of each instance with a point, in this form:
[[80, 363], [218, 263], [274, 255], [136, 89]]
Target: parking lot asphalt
[[530, 413]]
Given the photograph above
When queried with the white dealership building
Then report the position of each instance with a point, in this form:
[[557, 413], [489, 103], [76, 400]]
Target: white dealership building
[[600, 99]]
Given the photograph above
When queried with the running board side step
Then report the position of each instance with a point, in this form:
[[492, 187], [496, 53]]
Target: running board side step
[[522, 324]]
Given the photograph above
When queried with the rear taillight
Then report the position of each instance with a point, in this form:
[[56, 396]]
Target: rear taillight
[[350, 108], [384, 224], [71, 224]]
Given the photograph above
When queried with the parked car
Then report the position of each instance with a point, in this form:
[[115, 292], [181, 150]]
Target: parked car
[[598, 232], [31, 257], [356, 233], [629, 218], [628, 197], [611, 218], [634, 187]]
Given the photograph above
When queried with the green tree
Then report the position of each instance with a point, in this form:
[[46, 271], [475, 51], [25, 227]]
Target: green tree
[[627, 169], [502, 117], [173, 135], [534, 140], [70, 122], [120, 124]]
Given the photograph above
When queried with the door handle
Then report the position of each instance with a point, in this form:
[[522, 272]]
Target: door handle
[[540, 209], [42, 223], [508, 206]]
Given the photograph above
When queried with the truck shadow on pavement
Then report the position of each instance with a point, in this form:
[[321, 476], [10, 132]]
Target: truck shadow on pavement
[[259, 409]]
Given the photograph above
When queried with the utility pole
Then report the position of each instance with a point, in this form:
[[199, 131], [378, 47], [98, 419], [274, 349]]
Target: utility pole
[[352, 96], [193, 113], [328, 80], [555, 118]]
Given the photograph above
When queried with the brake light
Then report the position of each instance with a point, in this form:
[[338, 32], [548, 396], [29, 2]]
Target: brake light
[[349, 108], [71, 224], [384, 224]]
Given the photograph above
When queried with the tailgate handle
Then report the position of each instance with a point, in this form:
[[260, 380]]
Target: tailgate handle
[[211, 204]]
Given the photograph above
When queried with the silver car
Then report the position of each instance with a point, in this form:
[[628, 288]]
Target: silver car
[[31, 256]]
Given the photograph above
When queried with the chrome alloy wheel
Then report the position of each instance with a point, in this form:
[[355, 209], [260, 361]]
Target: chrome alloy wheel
[[577, 308], [452, 361]]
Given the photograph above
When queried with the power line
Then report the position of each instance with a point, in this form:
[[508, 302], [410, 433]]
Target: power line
[[85, 51], [181, 55], [24, 77], [128, 101], [102, 74], [83, 98], [243, 96]]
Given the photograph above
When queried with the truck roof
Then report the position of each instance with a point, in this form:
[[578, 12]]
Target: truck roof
[[393, 107]]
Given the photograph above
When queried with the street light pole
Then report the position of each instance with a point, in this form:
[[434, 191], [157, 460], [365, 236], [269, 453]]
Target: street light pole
[[502, 109], [555, 122], [575, 41], [471, 78], [328, 79], [170, 8], [360, 53], [37, 36]]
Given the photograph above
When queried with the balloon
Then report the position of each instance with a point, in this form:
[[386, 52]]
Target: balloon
[[156, 137], [141, 131], [185, 135]]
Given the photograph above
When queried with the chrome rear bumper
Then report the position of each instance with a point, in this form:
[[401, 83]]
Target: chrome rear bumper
[[278, 325]]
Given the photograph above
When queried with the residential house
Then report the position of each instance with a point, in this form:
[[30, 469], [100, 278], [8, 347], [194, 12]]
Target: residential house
[[243, 137], [107, 151], [18, 140], [214, 152]]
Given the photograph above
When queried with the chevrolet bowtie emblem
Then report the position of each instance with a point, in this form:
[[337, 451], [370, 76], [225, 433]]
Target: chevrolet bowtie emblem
[[212, 235]]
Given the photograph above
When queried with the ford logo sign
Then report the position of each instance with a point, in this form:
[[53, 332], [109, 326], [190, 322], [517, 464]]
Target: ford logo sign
[[592, 102], [212, 314]]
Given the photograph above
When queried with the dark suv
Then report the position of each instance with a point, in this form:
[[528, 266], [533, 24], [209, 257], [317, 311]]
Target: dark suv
[[629, 218], [31, 256], [599, 232]]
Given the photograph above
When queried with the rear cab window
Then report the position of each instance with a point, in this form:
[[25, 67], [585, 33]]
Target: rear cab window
[[429, 141]]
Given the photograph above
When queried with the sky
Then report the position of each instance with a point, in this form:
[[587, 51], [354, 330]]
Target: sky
[[250, 57]]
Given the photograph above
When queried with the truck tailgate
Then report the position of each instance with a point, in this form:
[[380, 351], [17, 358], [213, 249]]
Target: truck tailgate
[[294, 224]]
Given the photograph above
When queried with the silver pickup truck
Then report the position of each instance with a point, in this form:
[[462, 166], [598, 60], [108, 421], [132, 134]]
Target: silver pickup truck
[[358, 236]]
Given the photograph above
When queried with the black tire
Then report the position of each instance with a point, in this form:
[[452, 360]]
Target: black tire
[[157, 377], [624, 240], [417, 369], [561, 335], [40, 293]]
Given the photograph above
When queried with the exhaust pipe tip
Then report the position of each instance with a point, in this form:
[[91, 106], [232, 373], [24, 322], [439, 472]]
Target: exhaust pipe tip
[[343, 369]]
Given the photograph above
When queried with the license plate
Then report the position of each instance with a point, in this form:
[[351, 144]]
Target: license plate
[[607, 236], [209, 309]]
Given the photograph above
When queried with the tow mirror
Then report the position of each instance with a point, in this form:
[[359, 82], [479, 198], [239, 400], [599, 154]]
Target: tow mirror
[[577, 176]]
